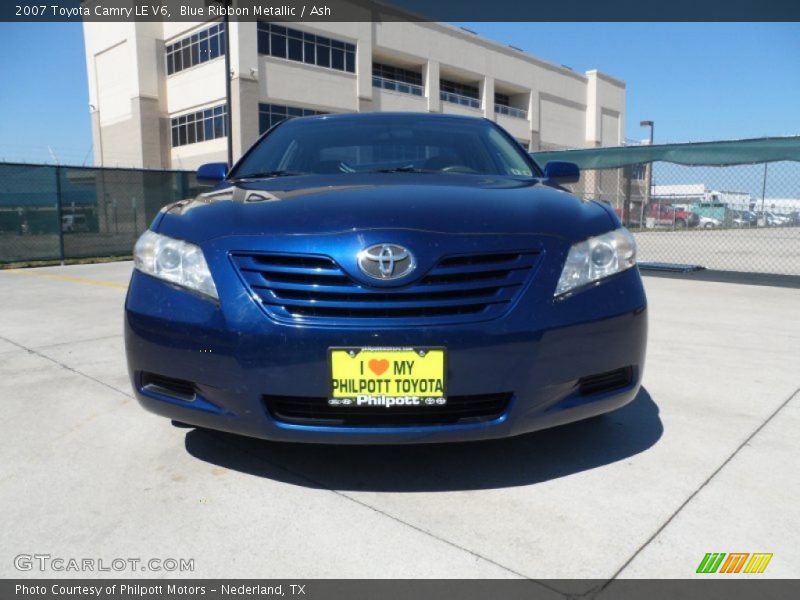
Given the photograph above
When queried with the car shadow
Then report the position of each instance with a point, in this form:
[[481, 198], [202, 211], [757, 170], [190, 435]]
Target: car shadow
[[523, 460]]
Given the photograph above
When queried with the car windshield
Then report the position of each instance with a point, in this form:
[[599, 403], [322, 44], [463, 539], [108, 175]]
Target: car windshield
[[385, 143]]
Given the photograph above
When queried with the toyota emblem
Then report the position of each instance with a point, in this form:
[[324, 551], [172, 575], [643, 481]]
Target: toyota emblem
[[386, 261]]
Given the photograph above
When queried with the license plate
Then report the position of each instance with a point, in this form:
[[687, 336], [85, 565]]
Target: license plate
[[388, 377]]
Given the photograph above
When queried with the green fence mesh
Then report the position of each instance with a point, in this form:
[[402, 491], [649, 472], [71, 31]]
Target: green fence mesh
[[56, 212], [723, 153]]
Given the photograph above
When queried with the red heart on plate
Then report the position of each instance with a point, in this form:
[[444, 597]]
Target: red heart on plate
[[378, 366]]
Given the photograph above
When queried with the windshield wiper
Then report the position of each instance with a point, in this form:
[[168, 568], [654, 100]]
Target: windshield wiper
[[266, 174]]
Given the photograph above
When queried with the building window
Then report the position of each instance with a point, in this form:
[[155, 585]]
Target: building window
[[196, 49], [459, 93], [272, 114], [502, 105], [284, 42], [396, 79], [199, 126]]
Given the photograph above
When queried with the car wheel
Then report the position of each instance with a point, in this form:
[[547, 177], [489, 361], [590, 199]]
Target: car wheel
[[709, 226], [680, 223]]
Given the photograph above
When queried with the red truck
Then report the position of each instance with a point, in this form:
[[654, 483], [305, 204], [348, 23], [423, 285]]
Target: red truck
[[657, 214]]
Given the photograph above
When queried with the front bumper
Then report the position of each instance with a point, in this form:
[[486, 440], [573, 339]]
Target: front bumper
[[235, 355]]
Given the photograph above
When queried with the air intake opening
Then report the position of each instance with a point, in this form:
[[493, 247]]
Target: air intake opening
[[168, 386], [605, 382], [300, 410]]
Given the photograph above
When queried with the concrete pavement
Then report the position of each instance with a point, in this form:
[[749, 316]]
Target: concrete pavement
[[756, 250], [702, 461]]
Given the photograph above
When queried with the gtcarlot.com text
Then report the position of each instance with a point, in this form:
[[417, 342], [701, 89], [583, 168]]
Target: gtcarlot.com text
[[60, 564]]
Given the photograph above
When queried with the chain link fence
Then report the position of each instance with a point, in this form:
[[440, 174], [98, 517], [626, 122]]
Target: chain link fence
[[741, 217], [738, 218], [733, 218], [57, 213]]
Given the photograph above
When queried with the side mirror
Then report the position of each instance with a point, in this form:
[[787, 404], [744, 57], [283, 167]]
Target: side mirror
[[562, 172], [212, 173]]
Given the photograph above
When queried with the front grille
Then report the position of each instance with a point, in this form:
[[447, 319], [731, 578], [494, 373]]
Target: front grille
[[605, 382], [315, 288], [301, 410]]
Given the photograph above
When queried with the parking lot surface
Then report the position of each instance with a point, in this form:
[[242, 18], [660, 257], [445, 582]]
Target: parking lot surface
[[704, 460], [756, 250]]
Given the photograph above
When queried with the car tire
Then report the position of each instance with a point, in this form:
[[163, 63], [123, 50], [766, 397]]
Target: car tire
[[708, 226], [680, 224]]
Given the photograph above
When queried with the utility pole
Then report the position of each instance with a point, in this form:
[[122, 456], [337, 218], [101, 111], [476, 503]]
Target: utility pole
[[60, 215], [648, 190], [228, 107], [226, 21]]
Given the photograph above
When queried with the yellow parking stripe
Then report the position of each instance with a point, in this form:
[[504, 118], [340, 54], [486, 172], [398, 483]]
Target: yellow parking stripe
[[70, 278]]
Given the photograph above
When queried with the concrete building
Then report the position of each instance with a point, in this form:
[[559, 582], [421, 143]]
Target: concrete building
[[157, 90], [690, 193], [701, 193]]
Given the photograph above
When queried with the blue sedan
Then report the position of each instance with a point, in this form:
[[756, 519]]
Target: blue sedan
[[385, 278]]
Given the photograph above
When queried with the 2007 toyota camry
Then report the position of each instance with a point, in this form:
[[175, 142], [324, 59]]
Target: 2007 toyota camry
[[385, 278]]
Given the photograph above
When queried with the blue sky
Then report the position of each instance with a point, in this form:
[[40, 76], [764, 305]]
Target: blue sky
[[697, 81]]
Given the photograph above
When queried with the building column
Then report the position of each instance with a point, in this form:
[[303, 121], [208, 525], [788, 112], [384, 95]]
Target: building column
[[593, 113], [244, 114], [97, 136], [536, 141], [431, 76], [244, 85], [487, 96], [153, 142], [533, 121], [149, 104], [364, 89]]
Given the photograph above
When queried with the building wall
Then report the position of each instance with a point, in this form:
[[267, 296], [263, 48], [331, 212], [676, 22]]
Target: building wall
[[134, 99]]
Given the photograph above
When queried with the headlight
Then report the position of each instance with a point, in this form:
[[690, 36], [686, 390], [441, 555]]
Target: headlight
[[175, 261], [596, 258]]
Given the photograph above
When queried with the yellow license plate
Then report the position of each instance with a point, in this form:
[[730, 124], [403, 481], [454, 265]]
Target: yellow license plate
[[389, 377]]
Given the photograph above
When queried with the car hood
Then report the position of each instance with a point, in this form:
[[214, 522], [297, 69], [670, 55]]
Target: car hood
[[448, 203]]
